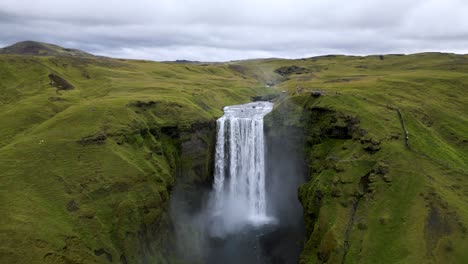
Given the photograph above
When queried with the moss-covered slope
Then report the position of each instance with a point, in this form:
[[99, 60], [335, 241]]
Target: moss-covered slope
[[371, 198], [90, 148]]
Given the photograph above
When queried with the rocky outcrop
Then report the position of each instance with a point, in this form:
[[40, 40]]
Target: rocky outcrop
[[289, 70], [60, 83]]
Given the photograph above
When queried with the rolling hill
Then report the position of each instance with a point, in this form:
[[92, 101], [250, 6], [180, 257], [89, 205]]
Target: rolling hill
[[91, 148]]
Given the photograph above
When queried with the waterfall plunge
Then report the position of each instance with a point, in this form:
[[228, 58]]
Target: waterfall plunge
[[239, 180]]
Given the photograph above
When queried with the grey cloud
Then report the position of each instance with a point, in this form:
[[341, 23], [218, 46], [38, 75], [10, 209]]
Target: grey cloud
[[223, 30]]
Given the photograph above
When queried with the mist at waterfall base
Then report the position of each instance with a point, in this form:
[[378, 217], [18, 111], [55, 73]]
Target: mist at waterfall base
[[251, 214]]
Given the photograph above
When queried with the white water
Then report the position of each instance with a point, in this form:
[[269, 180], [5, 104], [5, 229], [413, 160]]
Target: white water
[[239, 180]]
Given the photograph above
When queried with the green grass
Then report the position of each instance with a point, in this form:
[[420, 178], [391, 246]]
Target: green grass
[[120, 186], [393, 222], [62, 200]]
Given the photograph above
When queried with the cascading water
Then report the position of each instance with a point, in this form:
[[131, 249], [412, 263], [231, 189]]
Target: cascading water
[[252, 214], [239, 180]]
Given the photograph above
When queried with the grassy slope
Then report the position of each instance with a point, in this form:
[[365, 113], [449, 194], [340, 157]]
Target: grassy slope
[[395, 205], [416, 212], [66, 202]]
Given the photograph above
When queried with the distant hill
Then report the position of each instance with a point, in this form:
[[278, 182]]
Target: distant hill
[[42, 49]]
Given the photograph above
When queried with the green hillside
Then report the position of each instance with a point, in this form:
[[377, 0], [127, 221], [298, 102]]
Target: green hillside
[[90, 149], [370, 197], [88, 154]]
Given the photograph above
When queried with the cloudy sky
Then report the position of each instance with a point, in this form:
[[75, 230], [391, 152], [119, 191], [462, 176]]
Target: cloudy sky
[[219, 30]]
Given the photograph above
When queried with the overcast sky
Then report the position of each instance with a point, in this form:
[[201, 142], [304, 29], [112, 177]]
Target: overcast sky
[[219, 30]]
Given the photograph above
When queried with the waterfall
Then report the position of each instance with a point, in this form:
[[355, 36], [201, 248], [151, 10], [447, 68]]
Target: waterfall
[[239, 180]]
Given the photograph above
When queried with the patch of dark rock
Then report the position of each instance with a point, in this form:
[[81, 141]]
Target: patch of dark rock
[[384, 220], [186, 62], [313, 210], [40, 243], [423, 117], [171, 131], [462, 227], [364, 183], [352, 215], [100, 193], [342, 80], [239, 68], [338, 168], [387, 178], [72, 206], [55, 99], [66, 187], [345, 181], [86, 75], [325, 56], [362, 132], [449, 246], [57, 258], [321, 110], [203, 126], [87, 215], [120, 187], [268, 97], [362, 226], [338, 132], [362, 67], [142, 104], [336, 192], [345, 131], [394, 136], [370, 145], [436, 227], [382, 171], [288, 70], [59, 83], [155, 132], [101, 252], [97, 139], [372, 148], [344, 203], [316, 94]]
